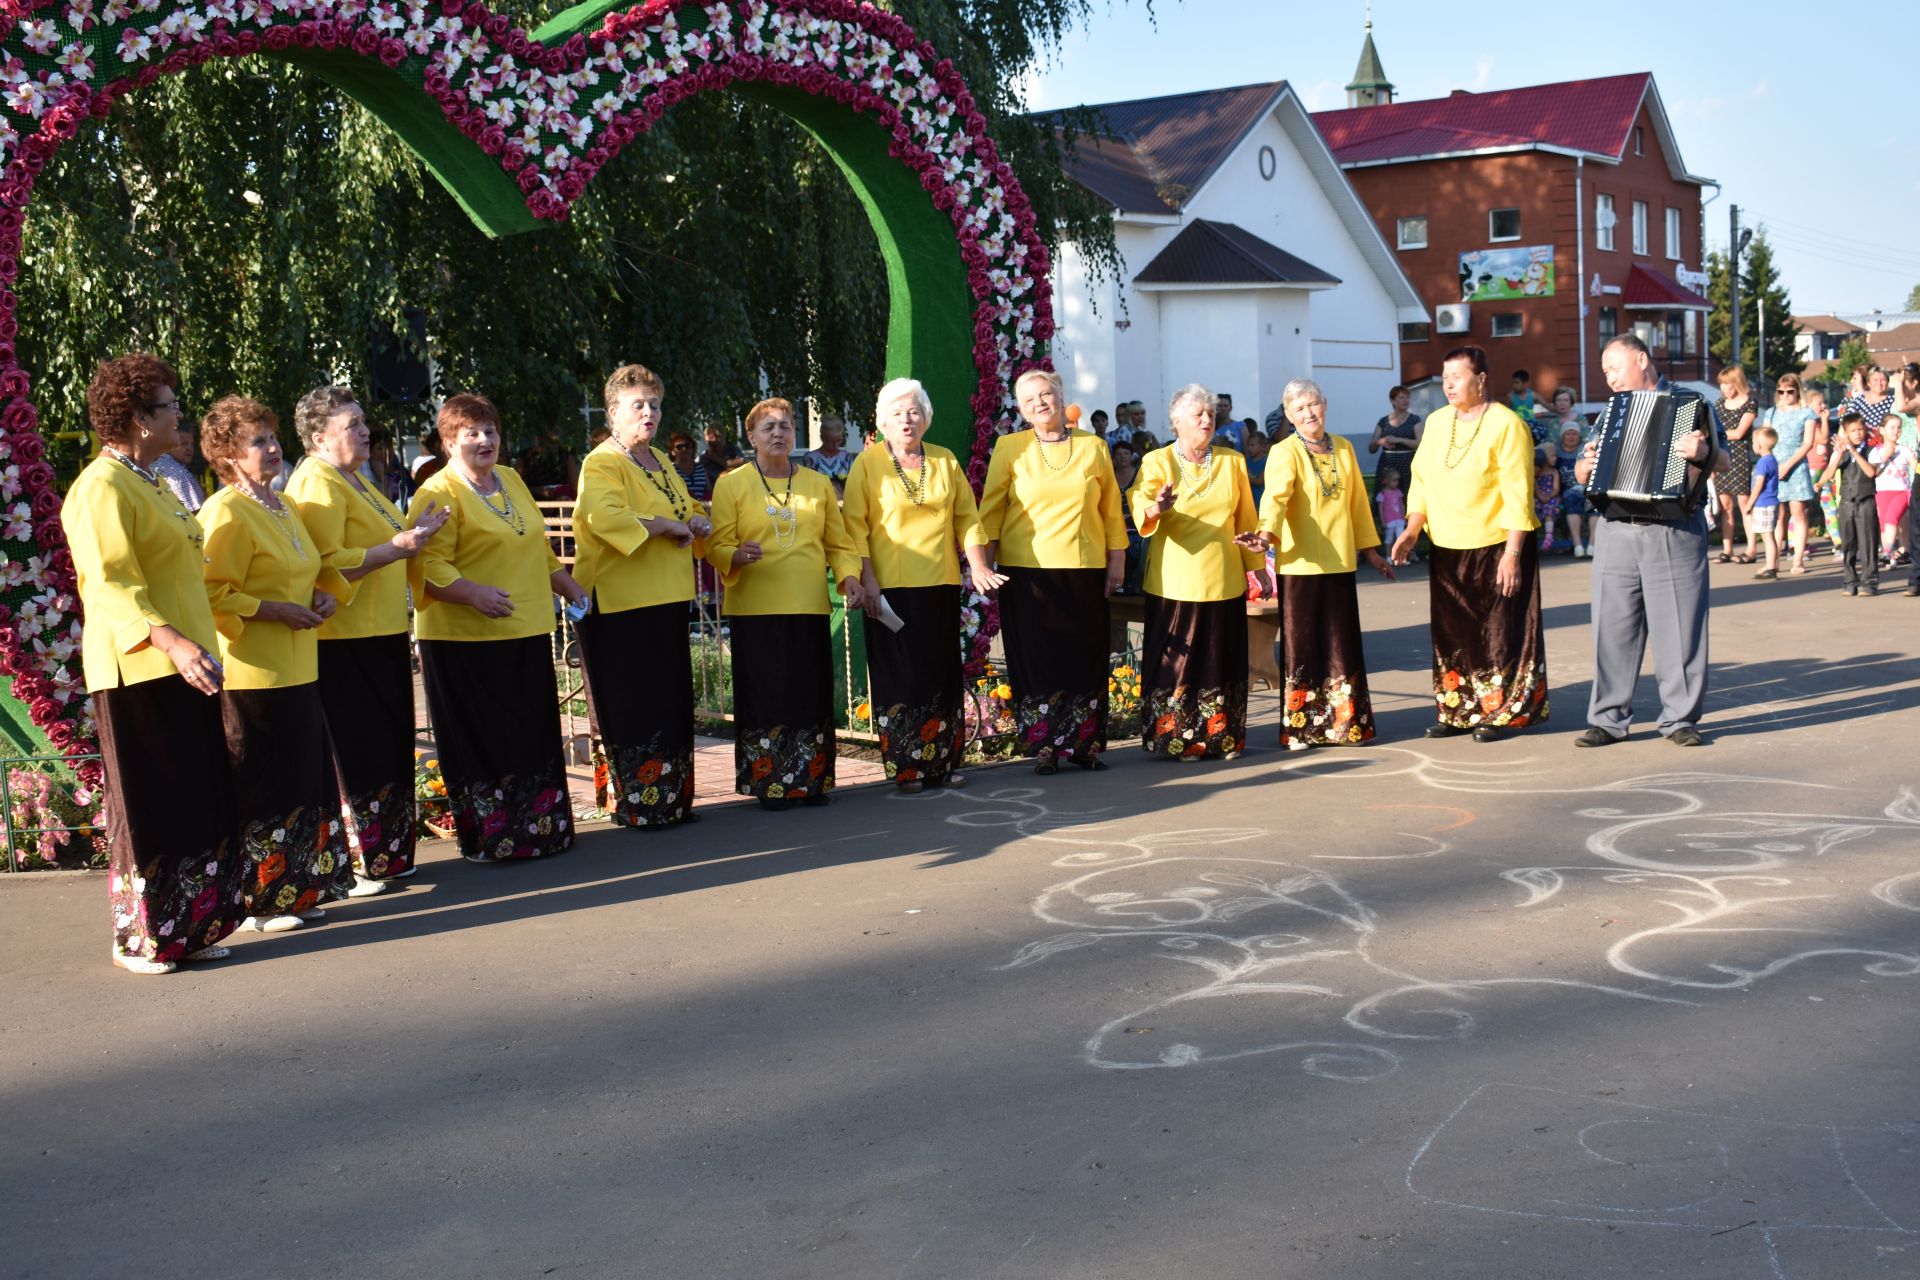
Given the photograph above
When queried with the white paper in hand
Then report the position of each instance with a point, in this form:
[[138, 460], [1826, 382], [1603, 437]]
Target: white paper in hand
[[888, 618]]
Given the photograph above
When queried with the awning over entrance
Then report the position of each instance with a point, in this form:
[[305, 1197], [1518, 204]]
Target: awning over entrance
[[1650, 290], [1220, 254]]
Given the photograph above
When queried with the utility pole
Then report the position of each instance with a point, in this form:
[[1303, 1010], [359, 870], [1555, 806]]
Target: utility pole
[[1736, 243], [1760, 352]]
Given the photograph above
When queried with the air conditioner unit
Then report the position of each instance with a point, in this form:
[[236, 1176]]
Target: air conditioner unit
[[1453, 317]]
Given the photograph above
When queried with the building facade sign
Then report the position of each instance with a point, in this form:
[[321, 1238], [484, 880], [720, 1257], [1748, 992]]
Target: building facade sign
[[1489, 274]]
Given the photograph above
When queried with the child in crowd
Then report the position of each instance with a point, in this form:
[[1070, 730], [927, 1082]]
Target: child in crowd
[[1859, 525], [1818, 457], [1520, 400], [1255, 446], [1393, 504], [1546, 496], [1573, 497], [1763, 517], [1892, 486]]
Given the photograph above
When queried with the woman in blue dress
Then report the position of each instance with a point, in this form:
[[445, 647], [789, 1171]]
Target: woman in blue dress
[[1791, 422]]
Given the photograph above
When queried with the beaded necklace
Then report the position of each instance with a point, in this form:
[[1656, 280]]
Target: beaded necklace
[[361, 489], [193, 526], [1448, 460], [918, 494], [665, 487], [1328, 480], [786, 526], [511, 516], [1041, 443], [281, 513], [1201, 475]]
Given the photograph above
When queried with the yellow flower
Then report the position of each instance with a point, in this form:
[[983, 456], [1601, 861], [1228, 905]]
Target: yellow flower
[[285, 897], [1003, 690], [1136, 691], [863, 711], [775, 791], [325, 865], [433, 764], [1453, 698], [1298, 719], [650, 796]]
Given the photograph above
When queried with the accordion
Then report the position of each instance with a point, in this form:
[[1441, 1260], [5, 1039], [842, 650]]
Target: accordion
[[1637, 475]]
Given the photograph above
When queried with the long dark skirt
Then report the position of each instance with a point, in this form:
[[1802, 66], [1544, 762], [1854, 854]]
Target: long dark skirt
[[1323, 668], [1489, 650], [496, 725], [1194, 677], [286, 797], [916, 684], [783, 743], [176, 871], [639, 669], [1054, 626], [366, 690]]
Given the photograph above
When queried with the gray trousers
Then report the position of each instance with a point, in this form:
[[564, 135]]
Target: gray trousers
[[1859, 535], [1649, 578]]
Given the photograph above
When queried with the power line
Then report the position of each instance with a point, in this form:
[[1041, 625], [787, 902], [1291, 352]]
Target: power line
[[1866, 264], [1827, 233]]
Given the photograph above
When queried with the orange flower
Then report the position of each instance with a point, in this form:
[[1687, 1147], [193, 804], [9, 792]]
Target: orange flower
[[1450, 680], [1296, 699], [762, 767], [1490, 700], [1166, 724], [1197, 749], [305, 901], [1518, 722], [1217, 723], [272, 868], [817, 765], [648, 772], [929, 731]]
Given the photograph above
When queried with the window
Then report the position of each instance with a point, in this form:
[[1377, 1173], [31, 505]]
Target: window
[[1639, 141], [1673, 234], [1603, 221], [1508, 325], [1413, 233], [1676, 333], [1418, 332], [1640, 226], [1693, 334], [1609, 323], [1503, 224]]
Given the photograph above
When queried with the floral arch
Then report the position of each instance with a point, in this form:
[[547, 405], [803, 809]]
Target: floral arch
[[516, 125]]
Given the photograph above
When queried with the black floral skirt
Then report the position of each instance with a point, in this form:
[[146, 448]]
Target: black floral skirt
[[782, 705], [1054, 626], [1489, 650], [496, 725], [639, 668], [286, 795], [175, 870], [1194, 678], [915, 675], [1323, 668], [366, 691]]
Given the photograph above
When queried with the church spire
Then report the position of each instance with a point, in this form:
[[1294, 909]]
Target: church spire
[[1370, 87]]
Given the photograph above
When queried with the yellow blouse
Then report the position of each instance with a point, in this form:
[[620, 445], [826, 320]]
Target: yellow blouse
[[136, 553], [1475, 489], [615, 558], [252, 557], [1318, 532], [790, 578], [1052, 506], [1190, 553], [911, 543], [346, 523], [476, 543]]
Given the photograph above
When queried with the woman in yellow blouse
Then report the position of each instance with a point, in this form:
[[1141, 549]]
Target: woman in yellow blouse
[[1193, 503], [908, 505], [483, 594], [1316, 515], [1051, 513], [269, 591], [174, 871], [636, 533], [366, 666], [1472, 492], [776, 533]]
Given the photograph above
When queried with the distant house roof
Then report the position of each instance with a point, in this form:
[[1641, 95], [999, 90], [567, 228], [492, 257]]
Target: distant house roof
[[1219, 253], [1162, 150], [1824, 324], [1592, 118], [1655, 290]]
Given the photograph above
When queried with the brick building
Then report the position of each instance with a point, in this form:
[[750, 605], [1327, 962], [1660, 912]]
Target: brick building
[[1535, 222]]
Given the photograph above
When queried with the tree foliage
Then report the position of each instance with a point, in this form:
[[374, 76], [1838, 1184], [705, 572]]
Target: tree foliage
[[1913, 298], [257, 228], [1759, 280]]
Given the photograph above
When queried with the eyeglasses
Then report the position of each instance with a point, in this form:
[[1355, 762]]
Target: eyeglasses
[[164, 404]]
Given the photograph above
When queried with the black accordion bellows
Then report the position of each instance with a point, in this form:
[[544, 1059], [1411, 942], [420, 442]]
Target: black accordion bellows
[[1637, 474]]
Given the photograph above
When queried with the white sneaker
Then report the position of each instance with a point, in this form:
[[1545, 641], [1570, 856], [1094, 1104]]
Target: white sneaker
[[314, 914], [139, 964], [364, 888], [270, 924], [1295, 744]]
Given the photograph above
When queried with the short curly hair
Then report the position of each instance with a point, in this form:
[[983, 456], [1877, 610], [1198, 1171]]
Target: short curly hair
[[464, 410], [632, 377], [766, 409], [226, 427], [123, 387], [316, 409]]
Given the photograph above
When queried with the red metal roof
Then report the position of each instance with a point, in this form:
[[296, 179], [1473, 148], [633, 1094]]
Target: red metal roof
[[1657, 291], [1590, 116]]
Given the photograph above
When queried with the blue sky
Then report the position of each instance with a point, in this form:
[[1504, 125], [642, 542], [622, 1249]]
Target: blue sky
[[1767, 121]]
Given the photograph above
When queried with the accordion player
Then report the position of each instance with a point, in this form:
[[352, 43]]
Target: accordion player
[[1636, 473]]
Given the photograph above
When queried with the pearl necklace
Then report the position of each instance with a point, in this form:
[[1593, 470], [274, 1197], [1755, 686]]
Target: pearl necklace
[[1201, 475], [511, 516], [362, 490], [786, 526], [919, 494], [1040, 444], [281, 513]]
